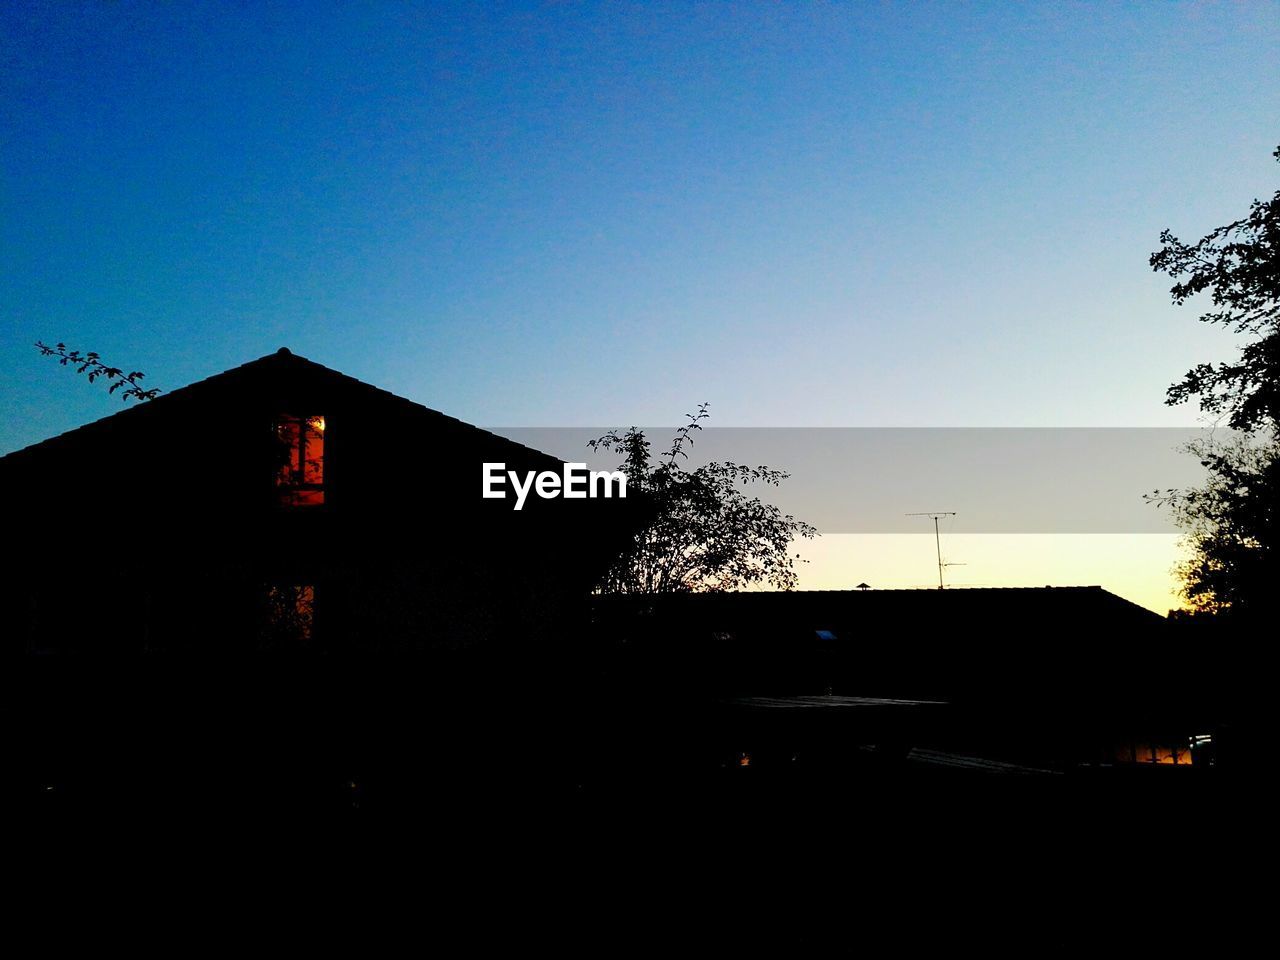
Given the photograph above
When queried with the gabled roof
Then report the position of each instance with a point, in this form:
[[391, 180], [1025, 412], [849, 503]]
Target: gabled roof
[[279, 365], [841, 609]]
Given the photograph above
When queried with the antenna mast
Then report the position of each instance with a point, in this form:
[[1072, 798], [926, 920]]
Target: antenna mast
[[936, 515]]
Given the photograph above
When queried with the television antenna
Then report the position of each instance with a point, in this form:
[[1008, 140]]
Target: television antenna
[[935, 516]]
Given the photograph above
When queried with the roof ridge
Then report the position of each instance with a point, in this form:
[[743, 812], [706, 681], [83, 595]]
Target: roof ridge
[[163, 397], [281, 356]]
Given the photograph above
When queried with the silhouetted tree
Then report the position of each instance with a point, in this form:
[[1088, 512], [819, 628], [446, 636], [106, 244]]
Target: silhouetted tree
[[1231, 525], [91, 364], [703, 533], [1233, 521]]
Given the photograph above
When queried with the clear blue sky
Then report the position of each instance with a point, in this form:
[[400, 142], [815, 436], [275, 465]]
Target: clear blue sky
[[925, 214]]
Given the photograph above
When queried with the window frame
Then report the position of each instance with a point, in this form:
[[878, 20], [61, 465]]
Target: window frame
[[290, 487]]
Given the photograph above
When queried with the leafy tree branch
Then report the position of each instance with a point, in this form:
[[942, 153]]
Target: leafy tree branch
[[704, 533], [90, 364], [1232, 522]]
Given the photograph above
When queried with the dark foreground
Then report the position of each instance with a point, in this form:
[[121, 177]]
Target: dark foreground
[[489, 813], [367, 742]]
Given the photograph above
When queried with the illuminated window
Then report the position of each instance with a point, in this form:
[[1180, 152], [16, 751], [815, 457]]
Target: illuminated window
[[290, 617], [300, 469], [1168, 753]]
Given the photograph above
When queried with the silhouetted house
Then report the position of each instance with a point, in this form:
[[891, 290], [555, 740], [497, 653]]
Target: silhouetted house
[[281, 506], [1074, 670], [197, 583], [938, 642]]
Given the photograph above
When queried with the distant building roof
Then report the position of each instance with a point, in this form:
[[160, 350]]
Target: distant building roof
[[852, 613]]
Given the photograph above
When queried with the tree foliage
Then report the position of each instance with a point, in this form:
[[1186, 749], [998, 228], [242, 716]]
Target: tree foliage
[[1231, 522], [703, 533], [129, 384]]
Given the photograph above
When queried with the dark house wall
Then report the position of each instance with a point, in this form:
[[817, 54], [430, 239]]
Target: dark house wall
[[175, 630], [161, 528]]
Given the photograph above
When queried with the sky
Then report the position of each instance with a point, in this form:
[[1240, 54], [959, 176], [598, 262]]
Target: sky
[[603, 214]]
